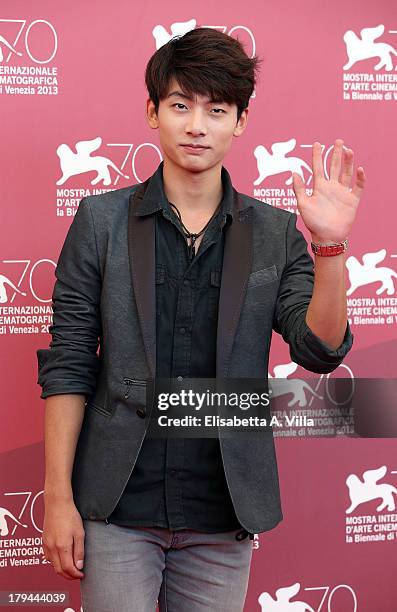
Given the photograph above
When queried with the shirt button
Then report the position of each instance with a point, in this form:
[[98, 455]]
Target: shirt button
[[182, 330], [173, 472], [180, 378], [141, 412]]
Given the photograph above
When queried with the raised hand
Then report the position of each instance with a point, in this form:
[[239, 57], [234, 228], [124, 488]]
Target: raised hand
[[330, 211]]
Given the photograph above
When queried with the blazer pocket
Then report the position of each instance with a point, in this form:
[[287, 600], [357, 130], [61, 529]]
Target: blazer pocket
[[135, 389], [160, 279], [262, 276], [213, 293], [99, 402], [101, 409]]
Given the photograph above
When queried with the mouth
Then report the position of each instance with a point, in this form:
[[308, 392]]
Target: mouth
[[194, 149], [194, 146]]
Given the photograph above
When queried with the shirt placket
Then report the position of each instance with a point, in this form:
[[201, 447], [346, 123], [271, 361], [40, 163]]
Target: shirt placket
[[175, 455], [179, 368]]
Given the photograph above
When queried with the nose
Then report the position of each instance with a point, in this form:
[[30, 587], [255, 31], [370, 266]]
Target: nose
[[195, 124]]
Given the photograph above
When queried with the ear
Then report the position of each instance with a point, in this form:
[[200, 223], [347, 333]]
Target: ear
[[241, 123], [151, 115]]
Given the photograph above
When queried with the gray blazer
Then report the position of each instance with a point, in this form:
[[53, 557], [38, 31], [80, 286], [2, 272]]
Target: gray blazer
[[105, 295]]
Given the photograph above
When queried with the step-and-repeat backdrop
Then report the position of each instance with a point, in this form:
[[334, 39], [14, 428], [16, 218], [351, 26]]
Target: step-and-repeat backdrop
[[72, 101]]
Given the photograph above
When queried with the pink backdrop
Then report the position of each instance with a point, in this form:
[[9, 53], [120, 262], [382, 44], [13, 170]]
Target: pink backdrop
[[75, 72]]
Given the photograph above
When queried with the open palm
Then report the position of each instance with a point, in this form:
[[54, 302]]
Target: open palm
[[330, 211]]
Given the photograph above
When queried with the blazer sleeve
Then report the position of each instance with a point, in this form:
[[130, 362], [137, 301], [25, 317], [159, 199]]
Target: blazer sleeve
[[71, 363], [295, 292]]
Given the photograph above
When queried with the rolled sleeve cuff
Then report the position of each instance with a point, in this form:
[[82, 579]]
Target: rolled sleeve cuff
[[321, 355], [61, 390], [69, 382]]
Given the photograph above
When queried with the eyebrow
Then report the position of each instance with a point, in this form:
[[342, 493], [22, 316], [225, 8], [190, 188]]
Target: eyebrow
[[180, 94]]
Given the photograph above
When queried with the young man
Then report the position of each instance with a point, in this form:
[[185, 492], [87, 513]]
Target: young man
[[181, 276]]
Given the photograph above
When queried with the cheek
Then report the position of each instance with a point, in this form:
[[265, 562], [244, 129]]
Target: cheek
[[167, 136], [172, 132], [225, 136]]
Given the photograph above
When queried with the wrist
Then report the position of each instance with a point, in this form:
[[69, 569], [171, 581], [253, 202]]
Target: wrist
[[326, 240], [329, 249], [58, 492]]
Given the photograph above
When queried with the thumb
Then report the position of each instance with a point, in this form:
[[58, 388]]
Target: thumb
[[299, 186], [78, 552]]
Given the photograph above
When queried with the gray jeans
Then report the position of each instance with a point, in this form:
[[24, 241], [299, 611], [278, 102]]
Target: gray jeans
[[131, 569]]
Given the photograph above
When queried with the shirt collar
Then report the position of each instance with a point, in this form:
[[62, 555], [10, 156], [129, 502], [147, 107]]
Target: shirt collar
[[155, 199]]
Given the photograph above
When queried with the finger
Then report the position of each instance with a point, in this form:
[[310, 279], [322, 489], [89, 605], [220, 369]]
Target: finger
[[67, 564], [46, 551], [318, 170], [299, 187], [49, 551], [336, 159], [78, 551], [56, 562], [347, 167], [360, 182]]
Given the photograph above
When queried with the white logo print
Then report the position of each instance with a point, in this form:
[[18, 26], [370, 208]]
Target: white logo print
[[4, 531], [369, 488], [363, 48], [161, 36], [80, 162], [282, 602], [276, 162], [367, 273], [5, 43], [298, 388], [324, 595], [3, 293], [23, 39]]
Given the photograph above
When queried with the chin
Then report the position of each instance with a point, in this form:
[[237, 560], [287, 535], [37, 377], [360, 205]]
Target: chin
[[197, 167], [193, 165]]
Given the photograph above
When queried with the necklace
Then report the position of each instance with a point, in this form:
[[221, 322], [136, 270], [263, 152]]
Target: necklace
[[193, 236]]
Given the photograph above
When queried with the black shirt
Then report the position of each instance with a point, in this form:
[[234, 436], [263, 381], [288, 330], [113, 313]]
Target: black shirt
[[179, 483]]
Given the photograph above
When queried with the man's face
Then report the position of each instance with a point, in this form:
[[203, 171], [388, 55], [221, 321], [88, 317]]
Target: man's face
[[182, 121]]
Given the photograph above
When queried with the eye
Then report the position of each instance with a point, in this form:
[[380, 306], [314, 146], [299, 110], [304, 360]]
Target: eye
[[178, 104], [219, 109]]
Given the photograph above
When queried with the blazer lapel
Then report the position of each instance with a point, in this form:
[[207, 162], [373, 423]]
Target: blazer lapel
[[141, 251], [237, 265]]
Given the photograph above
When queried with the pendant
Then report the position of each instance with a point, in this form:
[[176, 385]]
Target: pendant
[[191, 247]]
